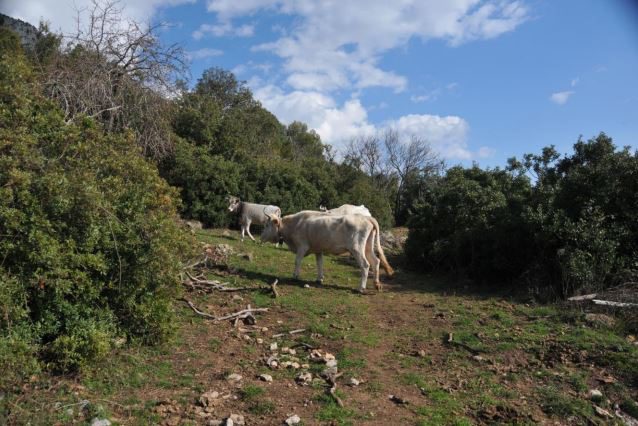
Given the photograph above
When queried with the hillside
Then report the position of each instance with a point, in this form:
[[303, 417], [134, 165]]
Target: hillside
[[449, 356]]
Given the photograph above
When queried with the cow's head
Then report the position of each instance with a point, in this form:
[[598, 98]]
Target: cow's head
[[233, 203], [271, 229]]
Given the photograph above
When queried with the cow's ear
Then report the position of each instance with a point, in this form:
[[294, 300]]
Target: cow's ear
[[276, 221]]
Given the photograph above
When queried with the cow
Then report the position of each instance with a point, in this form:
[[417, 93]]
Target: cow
[[250, 213], [347, 209], [311, 232]]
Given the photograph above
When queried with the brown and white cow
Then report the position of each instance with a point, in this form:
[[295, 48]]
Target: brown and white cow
[[311, 232]]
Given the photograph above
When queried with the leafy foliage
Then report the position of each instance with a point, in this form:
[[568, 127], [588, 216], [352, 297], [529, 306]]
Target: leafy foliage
[[573, 230], [89, 242]]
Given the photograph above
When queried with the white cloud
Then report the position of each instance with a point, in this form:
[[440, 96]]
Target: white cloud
[[561, 98], [203, 53], [575, 81], [447, 135], [224, 29], [337, 124], [339, 44], [485, 152], [62, 13]]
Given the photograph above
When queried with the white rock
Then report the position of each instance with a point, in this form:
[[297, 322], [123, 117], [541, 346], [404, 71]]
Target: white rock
[[304, 378], [328, 356], [265, 377], [285, 350], [331, 363], [100, 422], [273, 346], [237, 419], [595, 394], [234, 377], [306, 286], [293, 420], [260, 340], [353, 382], [292, 352]]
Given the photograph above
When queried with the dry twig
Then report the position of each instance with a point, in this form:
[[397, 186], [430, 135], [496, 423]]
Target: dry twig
[[300, 330], [332, 381], [237, 315]]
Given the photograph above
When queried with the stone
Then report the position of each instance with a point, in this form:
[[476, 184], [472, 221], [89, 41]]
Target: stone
[[234, 377], [265, 377], [273, 346], [328, 356], [293, 420], [237, 419], [100, 422], [354, 382], [259, 340], [304, 378], [595, 395], [330, 371], [331, 363]]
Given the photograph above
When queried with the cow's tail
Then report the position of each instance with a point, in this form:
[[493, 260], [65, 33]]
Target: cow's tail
[[384, 262]]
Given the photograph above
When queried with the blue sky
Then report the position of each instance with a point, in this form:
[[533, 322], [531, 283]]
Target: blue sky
[[481, 80]]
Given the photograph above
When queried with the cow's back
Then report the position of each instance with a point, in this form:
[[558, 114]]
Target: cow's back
[[330, 233]]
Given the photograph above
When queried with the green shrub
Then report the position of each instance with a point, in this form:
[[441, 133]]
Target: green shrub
[[90, 246], [573, 231]]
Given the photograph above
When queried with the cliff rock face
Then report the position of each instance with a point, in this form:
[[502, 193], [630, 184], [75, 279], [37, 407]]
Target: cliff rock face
[[27, 32]]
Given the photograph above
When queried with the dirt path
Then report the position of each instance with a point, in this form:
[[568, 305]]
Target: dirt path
[[509, 362]]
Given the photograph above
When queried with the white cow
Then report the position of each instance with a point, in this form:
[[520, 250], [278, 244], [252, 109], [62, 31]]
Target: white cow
[[310, 232], [347, 209], [251, 213]]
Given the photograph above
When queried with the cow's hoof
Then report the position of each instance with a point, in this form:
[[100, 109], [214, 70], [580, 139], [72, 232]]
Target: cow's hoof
[[361, 291], [378, 286]]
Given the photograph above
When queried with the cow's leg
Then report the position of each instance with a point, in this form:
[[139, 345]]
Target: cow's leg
[[373, 259], [248, 230], [319, 257], [359, 254], [301, 253], [243, 230]]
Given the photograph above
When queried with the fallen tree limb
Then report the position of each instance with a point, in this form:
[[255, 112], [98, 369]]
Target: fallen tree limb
[[197, 311], [332, 381], [300, 330], [240, 315], [616, 304], [583, 297], [196, 282], [273, 288]]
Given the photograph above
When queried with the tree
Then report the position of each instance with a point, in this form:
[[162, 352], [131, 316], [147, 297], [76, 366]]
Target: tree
[[223, 86], [408, 160], [118, 72]]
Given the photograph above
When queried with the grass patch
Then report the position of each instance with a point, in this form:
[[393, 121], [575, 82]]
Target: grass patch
[[557, 403]]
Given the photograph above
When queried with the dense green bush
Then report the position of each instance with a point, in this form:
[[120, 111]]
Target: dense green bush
[[574, 230], [89, 243]]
